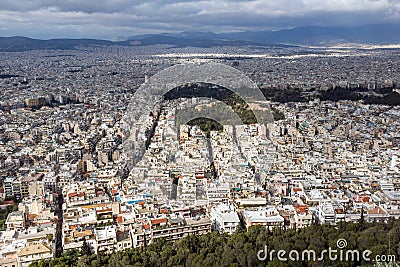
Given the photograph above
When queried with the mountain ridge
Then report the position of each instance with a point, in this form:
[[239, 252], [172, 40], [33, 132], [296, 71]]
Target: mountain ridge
[[308, 35]]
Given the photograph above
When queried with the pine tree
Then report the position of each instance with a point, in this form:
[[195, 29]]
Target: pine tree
[[86, 250]]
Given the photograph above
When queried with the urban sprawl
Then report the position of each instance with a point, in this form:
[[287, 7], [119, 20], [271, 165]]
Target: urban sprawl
[[65, 182]]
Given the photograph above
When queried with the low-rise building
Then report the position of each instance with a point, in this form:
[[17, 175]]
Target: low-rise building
[[224, 218], [263, 216], [33, 252]]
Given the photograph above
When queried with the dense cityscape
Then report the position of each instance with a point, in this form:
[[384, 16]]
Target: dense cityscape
[[65, 179]]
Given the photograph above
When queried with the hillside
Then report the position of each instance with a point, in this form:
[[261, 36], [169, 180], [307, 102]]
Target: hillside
[[241, 248]]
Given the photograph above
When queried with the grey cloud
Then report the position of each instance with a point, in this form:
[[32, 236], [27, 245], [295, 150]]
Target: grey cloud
[[110, 18]]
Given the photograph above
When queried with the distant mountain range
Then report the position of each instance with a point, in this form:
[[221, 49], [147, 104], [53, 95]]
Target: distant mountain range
[[372, 34], [15, 44]]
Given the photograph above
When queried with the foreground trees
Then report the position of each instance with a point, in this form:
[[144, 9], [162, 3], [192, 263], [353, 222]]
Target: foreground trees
[[241, 248]]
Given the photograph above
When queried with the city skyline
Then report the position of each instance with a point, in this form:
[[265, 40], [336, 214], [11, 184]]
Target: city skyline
[[80, 180], [199, 133]]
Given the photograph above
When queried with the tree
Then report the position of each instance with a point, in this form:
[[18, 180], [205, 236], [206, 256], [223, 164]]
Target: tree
[[361, 221], [86, 249], [240, 249]]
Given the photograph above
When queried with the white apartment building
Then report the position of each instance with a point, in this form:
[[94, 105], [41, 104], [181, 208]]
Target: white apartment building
[[224, 218]]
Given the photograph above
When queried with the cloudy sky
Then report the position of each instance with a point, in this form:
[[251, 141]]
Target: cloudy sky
[[110, 19]]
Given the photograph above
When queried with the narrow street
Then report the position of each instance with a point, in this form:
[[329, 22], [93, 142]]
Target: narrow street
[[59, 213]]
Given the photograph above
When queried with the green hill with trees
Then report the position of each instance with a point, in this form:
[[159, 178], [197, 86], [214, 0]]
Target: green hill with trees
[[241, 248]]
